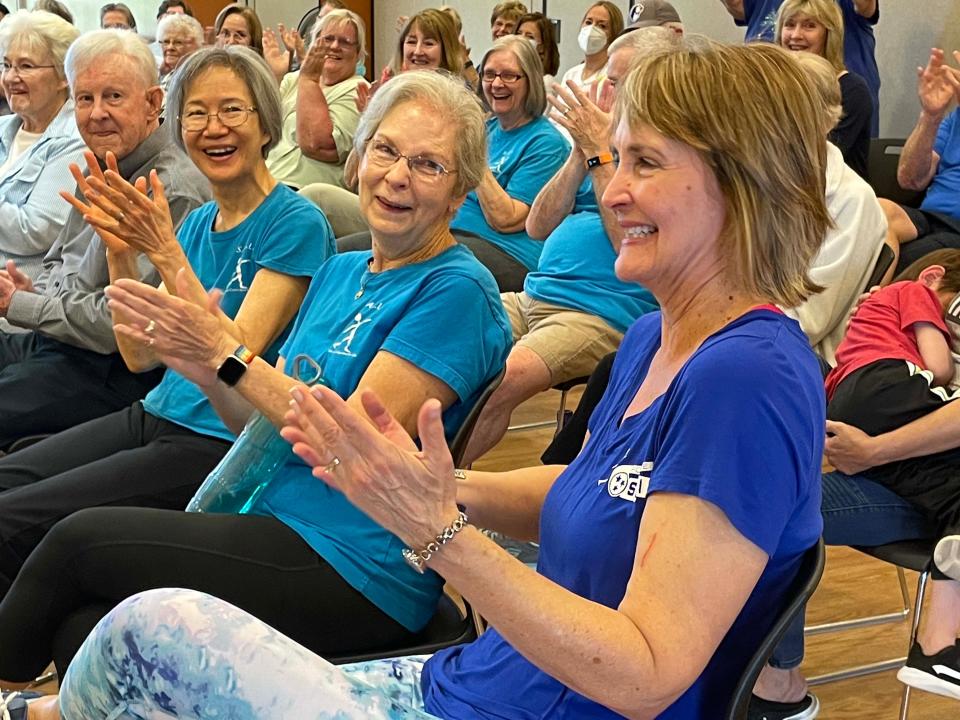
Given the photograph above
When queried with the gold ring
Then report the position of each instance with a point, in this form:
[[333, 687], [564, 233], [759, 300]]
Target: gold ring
[[333, 464], [121, 216], [151, 326], [151, 341]]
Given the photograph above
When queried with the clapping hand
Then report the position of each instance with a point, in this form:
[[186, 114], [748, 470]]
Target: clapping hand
[[587, 123], [939, 84], [277, 59]]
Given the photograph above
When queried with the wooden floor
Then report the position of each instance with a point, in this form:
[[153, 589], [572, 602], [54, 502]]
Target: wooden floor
[[853, 585]]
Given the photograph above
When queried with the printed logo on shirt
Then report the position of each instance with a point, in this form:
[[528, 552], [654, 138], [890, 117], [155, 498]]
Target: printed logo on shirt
[[497, 167], [237, 282], [628, 482], [349, 333]]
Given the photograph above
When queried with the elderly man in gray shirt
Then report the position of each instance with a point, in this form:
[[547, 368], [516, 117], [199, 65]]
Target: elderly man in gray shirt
[[66, 369]]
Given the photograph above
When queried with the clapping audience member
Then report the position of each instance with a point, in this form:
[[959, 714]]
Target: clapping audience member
[[415, 318], [601, 24], [930, 161], [710, 533], [816, 26], [179, 36], [320, 113], [859, 45], [573, 309], [524, 152], [538, 29], [117, 16], [296, 45], [504, 18], [239, 25], [39, 141], [67, 370]]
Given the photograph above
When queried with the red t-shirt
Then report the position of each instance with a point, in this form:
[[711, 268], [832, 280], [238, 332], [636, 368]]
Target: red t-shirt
[[882, 329]]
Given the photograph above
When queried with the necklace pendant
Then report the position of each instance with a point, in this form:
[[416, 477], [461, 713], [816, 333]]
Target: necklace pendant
[[359, 294]]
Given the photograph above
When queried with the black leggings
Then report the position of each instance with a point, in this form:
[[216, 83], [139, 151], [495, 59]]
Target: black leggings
[[96, 558]]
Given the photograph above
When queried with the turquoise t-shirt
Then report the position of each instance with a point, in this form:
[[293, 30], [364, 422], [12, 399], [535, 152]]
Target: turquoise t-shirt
[[522, 160], [444, 316], [287, 234], [577, 269]]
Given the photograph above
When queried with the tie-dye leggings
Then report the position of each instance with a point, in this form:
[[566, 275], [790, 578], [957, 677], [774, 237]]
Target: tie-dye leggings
[[183, 654]]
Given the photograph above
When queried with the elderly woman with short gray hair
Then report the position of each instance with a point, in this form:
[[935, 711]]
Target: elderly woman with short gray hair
[[524, 151], [178, 36], [38, 141], [415, 318]]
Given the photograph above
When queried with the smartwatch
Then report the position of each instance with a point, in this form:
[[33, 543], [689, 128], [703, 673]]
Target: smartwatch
[[235, 365], [597, 160]]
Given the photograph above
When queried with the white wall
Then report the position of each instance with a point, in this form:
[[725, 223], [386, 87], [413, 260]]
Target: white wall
[[904, 38]]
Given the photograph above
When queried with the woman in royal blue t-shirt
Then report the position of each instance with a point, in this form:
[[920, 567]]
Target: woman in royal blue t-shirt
[[667, 547]]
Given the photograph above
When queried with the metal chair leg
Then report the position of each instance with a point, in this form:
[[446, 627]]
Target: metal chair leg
[[914, 627]]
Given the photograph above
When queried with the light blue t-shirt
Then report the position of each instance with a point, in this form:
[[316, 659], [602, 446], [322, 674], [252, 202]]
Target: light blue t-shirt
[[859, 42], [943, 195], [287, 234], [444, 316], [522, 160], [577, 269]]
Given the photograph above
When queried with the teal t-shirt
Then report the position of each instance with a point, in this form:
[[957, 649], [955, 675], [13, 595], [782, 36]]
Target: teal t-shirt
[[444, 316], [287, 234], [577, 269], [522, 160]]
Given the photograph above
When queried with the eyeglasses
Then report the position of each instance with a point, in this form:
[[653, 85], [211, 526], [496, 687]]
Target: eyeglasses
[[176, 44], [231, 117], [507, 77], [331, 39], [383, 155], [24, 70], [235, 35]]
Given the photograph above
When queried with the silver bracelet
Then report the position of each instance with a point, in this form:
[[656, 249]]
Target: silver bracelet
[[418, 559]]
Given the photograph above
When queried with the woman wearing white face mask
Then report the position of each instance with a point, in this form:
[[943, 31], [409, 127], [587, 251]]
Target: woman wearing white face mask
[[602, 23]]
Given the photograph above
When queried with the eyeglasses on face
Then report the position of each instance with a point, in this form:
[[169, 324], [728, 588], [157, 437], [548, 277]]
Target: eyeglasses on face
[[330, 39], [230, 116], [235, 35], [507, 77], [176, 44], [24, 69], [384, 155]]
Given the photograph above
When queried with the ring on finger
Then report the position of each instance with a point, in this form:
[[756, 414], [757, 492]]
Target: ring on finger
[[151, 341], [151, 326], [333, 464], [120, 216]]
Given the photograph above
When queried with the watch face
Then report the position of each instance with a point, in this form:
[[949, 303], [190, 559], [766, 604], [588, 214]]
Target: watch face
[[231, 370]]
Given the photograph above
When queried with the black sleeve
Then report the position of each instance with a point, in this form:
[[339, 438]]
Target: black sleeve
[[852, 134]]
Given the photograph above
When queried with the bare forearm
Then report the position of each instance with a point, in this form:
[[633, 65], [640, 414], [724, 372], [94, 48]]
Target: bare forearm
[[555, 201], [935, 432], [262, 387], [502, 212], [595, 650], [916, 167], [508, 502], [314, 124]]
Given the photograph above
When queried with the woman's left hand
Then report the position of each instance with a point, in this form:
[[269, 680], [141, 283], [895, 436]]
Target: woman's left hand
[[186, 336], [410, 492], [126, 211], [587, 123]]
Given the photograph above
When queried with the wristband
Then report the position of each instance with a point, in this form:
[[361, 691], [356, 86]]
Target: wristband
[[235, 365], [417, 559], [604, 158]]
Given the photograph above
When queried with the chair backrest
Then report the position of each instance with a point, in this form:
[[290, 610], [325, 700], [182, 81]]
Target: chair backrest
[[882, 164], [808, 577], [305, 26], [884, 261], [458, 445]]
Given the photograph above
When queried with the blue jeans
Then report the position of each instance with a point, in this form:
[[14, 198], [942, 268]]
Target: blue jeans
[[856, 511]]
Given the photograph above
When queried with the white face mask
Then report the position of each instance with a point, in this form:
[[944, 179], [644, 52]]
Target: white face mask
[[591, 39]]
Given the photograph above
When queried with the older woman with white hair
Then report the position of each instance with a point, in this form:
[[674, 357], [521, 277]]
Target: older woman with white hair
[[39, 140], [524, 151], [415, 318], [667, 547], [178, 36], [320, 113]]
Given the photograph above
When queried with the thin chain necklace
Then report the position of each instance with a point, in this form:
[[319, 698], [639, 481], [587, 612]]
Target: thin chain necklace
[[364, 279]]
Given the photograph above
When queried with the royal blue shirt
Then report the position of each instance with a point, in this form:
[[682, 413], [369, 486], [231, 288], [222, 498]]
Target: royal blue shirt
[[859, 43], [741, 426], [522, 160], [443, 316], [576, 269], [287, 234], [943, 195]]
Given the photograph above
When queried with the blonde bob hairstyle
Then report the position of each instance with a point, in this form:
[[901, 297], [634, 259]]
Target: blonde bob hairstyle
[[447, 96], [825, 80], [825, 12], [526, 54], [437, 25], [753, 115]]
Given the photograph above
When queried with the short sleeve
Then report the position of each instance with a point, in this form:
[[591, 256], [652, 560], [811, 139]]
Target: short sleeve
[[541, 160], [743, 430], [945, 133], [299, 240], [919, 304], [457, 313]]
